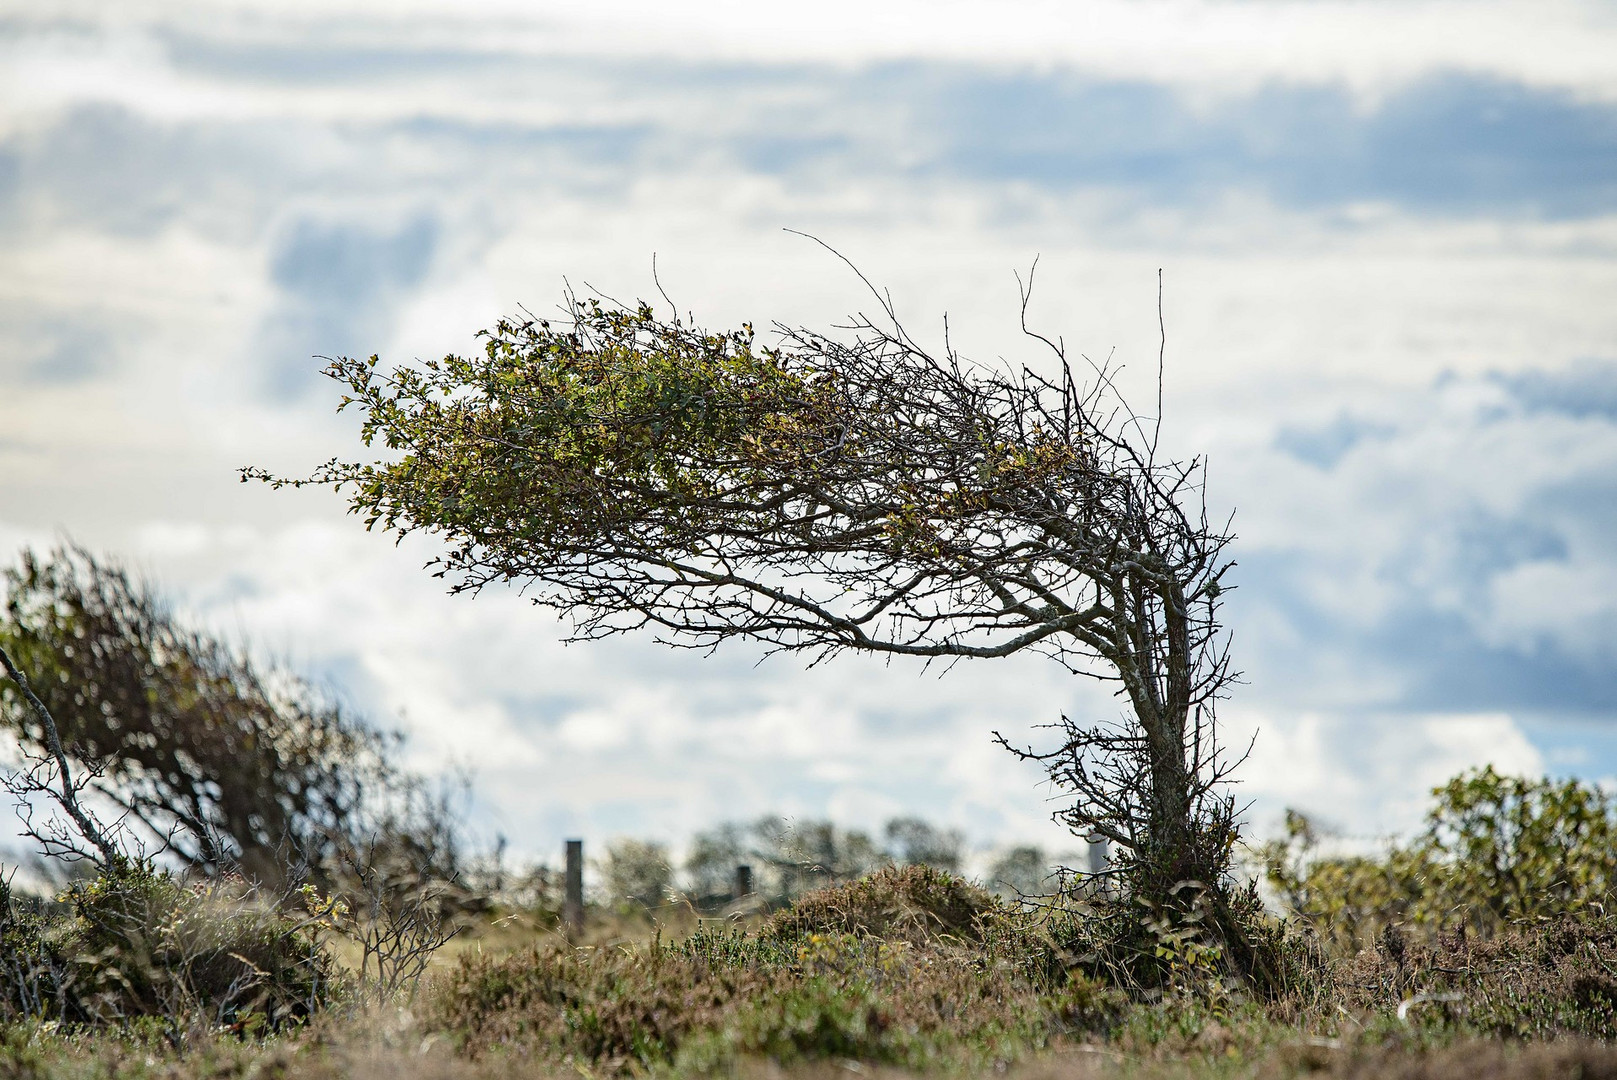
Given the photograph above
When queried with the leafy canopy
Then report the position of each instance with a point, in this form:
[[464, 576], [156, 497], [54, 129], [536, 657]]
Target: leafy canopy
[[815, 495]]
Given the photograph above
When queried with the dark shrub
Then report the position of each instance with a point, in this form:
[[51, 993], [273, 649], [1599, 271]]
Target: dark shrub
[[137, 942], [227, 764]]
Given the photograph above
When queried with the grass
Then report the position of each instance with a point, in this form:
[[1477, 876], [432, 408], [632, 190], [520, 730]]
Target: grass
[[908, 972]]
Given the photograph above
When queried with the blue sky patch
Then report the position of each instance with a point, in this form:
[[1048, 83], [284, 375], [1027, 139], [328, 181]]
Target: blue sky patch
[[1585, 388], [340, 282], [1324, 446], [1449, 145]]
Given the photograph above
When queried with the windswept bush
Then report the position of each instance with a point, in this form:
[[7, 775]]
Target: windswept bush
[[229, 766]]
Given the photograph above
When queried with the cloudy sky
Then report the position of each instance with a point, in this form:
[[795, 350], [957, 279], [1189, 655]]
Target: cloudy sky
[[1388, 235]]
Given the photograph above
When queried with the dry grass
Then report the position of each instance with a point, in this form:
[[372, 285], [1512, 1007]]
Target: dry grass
[[1541, 980], [897, 969], [904, 974], [385, 1046]]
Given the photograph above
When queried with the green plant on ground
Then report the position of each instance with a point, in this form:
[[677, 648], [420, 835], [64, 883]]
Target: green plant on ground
[[137, 945], [1496, 850], [909, 967]]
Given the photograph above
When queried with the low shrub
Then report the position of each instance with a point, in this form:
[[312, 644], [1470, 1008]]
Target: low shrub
[[1539, 980], [911, 968], [1212, 944], [137, 942], [1495, 850], [701, 1007]]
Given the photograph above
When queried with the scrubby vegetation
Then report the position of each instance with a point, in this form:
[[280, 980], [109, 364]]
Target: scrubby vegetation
[[188, 745], [1496, 851], [910, 969], [140, 949]]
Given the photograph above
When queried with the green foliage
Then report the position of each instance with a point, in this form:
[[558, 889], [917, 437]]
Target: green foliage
[[1517, 849], [863, 998], [580, 427], [229, 766], [1496, 851], [136, 944], [1213, 946]]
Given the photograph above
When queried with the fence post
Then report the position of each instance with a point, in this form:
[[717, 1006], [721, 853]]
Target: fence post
[[573, 907], [743, 881], [1100, 854]]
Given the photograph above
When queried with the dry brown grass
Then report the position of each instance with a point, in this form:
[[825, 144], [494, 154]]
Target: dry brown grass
[[1541, 980], [909, 967], [909, 973]]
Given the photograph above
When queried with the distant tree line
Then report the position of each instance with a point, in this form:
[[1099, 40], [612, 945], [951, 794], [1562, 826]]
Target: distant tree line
[[789, 857]]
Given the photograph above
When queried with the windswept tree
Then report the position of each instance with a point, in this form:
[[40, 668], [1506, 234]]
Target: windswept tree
[[832, 493]]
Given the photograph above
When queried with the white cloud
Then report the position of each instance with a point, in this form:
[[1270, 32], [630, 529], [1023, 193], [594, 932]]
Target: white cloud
[[1371, 46], [1370, 775], [1568, 606]]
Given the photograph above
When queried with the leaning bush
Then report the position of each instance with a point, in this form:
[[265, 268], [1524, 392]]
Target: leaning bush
[[225, 763], [137, 942]]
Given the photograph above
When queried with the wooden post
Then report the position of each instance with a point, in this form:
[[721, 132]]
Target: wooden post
[[743, 881], [573, 907]]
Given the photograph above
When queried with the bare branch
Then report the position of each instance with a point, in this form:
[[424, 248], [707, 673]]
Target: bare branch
[[64, 791]]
